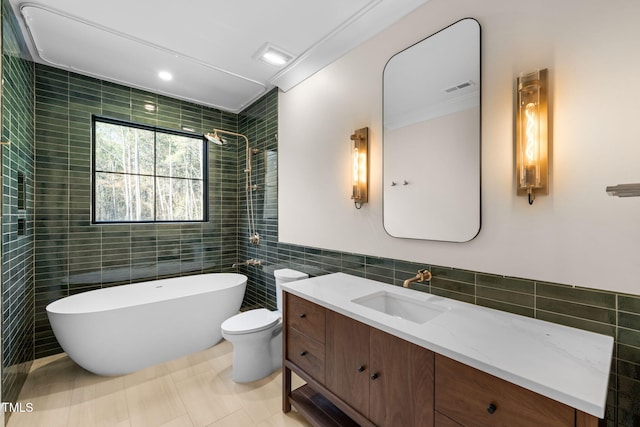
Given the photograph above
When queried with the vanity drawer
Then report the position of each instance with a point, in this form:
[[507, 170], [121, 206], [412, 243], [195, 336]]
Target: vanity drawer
[[307, 353], [474, 398], [306, 317]]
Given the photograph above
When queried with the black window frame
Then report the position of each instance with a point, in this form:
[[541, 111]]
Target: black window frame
[[156, 129]]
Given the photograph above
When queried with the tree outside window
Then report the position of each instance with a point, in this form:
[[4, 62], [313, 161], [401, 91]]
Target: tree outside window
[[146, 174]]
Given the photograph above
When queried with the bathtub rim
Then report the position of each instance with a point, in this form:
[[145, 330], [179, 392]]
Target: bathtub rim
[[76, 304]]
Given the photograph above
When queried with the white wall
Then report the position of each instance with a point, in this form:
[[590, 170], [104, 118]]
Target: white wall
[[577, 235]]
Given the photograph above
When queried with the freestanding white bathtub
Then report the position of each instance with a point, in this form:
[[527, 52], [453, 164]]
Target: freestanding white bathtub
[[122, 329]]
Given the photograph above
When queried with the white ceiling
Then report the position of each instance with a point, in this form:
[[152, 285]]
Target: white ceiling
[[208, 45]]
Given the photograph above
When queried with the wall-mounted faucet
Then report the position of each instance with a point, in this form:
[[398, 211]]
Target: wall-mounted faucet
[[422, 276], [255, 262]]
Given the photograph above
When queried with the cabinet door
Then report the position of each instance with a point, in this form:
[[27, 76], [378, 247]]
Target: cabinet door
[[347, 360], [475, 398], [401, 389]]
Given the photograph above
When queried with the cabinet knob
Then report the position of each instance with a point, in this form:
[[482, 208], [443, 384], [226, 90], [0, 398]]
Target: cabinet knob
[[361, 369], [302, 316], [491, 408], [374, 375], [303, 353]]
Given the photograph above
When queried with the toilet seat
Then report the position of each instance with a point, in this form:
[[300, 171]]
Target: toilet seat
[[251, 321]]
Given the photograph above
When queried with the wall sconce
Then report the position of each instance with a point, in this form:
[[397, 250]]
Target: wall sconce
[[360, 166], [532, 160]]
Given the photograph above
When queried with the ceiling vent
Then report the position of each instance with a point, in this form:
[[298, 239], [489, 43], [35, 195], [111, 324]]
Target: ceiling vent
[[458, 86], [273, 55]]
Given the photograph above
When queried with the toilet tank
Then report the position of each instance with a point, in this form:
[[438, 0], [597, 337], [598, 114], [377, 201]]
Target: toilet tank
[[285, 275]]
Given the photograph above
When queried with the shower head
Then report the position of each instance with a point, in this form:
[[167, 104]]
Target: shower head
[[213, 137]]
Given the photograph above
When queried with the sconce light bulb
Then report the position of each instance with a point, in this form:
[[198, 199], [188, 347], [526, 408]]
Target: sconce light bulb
[[362, 168], [531, 133], [355, 160]]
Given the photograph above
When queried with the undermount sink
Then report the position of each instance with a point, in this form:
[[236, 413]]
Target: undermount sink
[[401, 306]]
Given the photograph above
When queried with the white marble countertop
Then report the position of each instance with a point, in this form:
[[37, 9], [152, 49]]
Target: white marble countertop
[[565, 364]]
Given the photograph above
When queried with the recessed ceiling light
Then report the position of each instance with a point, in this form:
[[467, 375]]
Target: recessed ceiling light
[[165, 75], [273, 55]]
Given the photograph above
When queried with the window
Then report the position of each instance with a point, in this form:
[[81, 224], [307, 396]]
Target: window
[[146, 174]]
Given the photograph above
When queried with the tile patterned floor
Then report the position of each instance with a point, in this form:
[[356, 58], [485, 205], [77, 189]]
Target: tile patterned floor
[[193, 391]]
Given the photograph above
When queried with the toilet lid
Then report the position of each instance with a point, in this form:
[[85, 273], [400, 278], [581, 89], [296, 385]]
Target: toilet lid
[[289, 274], [250, 321]]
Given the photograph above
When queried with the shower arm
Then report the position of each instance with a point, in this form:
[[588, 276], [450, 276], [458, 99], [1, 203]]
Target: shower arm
[[247, 149]]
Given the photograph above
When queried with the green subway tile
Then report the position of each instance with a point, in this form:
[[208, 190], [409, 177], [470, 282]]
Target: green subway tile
[[629, 370], [380, 263], [577, 295], [524, 300], [628, 396], [115, 112], [628, 320], [115, 90], [629, 354], [629, 303], [453, 274], [451, 285], [506, 283], [586, 312], [18, 267], [629, 337]]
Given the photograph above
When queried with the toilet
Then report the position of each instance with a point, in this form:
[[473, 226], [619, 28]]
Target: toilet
[[256, 335]]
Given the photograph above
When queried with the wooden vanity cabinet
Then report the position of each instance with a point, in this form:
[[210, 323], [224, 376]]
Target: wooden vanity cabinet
[[360, 375], [373, 377]]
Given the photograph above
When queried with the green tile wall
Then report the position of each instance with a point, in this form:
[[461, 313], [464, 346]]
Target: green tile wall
[[609, 313], [71, 254], [17, 250]]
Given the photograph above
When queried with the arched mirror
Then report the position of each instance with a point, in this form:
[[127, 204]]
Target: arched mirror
[[431, 107]]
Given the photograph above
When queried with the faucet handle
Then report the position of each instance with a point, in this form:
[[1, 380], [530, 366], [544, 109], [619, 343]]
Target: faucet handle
[[425, 275]]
